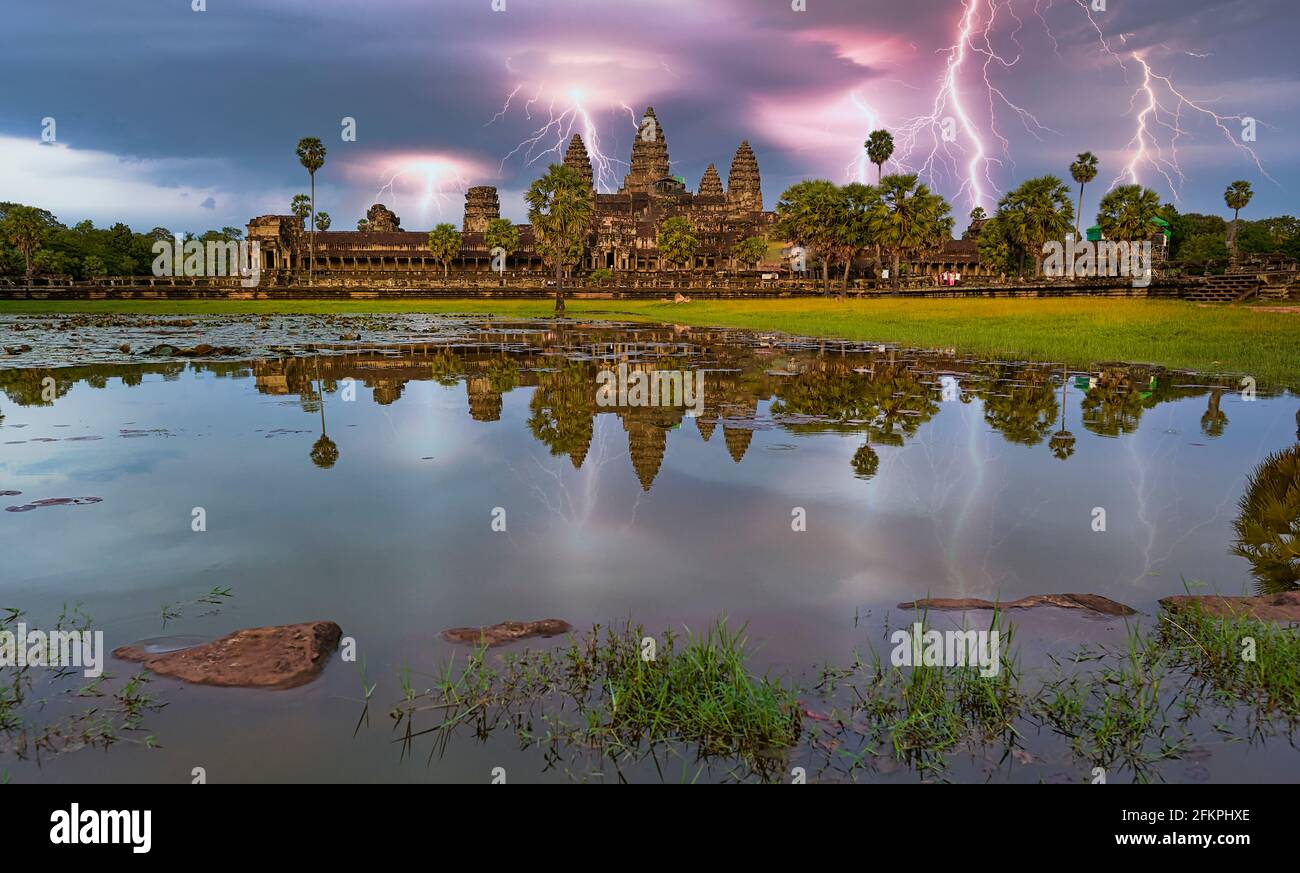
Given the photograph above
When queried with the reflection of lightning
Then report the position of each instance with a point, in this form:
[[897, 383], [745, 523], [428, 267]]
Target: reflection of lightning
[[566, 116]]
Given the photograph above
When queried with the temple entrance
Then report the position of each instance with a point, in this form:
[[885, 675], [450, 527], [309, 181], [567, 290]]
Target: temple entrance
[[609, 260]]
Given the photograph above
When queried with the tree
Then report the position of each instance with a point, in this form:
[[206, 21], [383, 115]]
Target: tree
[[301, 207], [363, 225], [749, 251], [677, 241], [322, 221], [1268, 526], [1127, 211], [93, 267], [1035, 213], [27, 228], [879, 146], [559, 209], [1083, 171], [915, 220], [858, 225], [311, 154], [501, 233], [1237, 195], [978, 214], [996, 249], [444, 243], [806, 216]]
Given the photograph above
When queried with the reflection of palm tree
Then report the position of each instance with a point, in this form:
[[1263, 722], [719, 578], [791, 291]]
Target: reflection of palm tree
[[1020, 404], [865, 462], [1214, 420], [1062, 442], [1268, 528], [324, 453]]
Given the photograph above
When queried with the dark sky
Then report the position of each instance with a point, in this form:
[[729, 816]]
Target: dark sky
[[168, 116]]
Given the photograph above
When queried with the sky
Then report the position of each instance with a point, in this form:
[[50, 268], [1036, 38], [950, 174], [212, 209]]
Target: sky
[[157, 114]]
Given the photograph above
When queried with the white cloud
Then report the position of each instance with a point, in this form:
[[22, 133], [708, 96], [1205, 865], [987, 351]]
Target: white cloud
[[76, 184]]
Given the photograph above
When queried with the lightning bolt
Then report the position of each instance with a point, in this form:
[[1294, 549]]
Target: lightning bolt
[[949, 148], [442, 183], [1158, 104], [565, 115]]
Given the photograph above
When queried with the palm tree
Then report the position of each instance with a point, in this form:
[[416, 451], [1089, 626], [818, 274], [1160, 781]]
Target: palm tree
[[808, 215], [444, 243], [26, 228], [322, 221], [859, 225], [1127, 211], [1083, 171], [1237, 195], [1037, 212], [311, 154], [501, 233], [559, 209], [879, 146], [1268, 526], [914, 220]]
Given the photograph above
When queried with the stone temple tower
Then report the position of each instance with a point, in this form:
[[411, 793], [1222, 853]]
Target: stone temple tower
[[649, 155], [481, 208], [744, 189], [576, 158], [711, 183]]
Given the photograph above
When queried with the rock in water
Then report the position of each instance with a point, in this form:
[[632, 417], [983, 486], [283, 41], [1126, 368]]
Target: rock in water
[[1091, 602], [506, 632], [279, 656], [1284, 607]]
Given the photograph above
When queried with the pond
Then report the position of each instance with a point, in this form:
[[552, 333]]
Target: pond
[[402, 475]]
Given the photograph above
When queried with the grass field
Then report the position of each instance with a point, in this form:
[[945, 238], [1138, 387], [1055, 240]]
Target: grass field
[[1236, 339]]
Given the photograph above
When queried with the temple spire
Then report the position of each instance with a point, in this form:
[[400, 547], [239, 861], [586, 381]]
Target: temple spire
[[744, 187], [576, 158], [711, 183]]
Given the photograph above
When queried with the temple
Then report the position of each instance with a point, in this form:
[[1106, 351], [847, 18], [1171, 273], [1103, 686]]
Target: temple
[[623, 237]]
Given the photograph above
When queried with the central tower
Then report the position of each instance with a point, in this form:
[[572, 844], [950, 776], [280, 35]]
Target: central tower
[[649, 156]]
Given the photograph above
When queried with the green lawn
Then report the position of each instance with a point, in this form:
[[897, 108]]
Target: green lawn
[[1081, 332]]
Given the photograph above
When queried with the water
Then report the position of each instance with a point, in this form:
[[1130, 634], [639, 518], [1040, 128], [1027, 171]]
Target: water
[[918, 473]]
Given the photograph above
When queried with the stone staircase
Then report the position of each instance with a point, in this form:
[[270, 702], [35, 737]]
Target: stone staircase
[[1229, 288], [1280, 287]]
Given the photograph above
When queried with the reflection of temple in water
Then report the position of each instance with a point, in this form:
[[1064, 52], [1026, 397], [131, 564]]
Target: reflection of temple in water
[[884, 394]]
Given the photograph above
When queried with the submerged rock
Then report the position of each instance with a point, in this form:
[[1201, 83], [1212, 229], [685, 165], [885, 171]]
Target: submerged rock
[[278, 656], [202, 350], [54, 501], [506, 632], [1284, 607], [1091, 602]]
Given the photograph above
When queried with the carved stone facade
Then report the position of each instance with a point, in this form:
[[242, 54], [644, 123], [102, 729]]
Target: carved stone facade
[[381, 219], [481, 208]]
